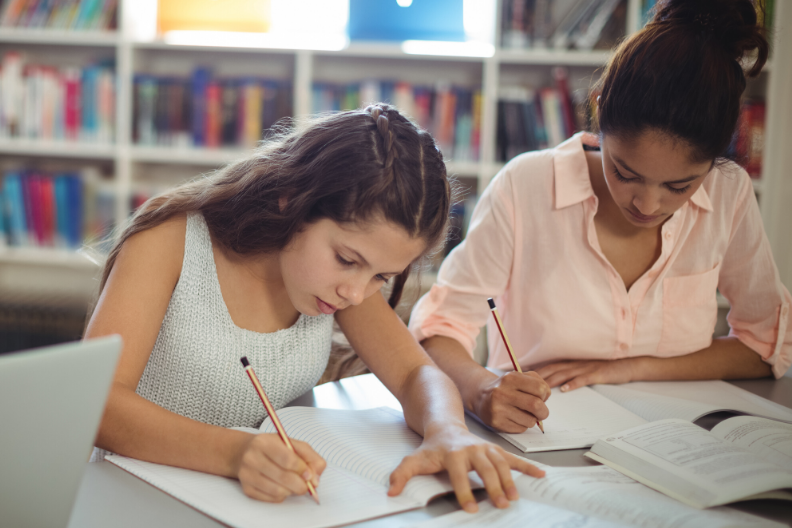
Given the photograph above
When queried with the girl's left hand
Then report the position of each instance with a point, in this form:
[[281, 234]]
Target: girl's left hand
[[458, 451], [571, 375]]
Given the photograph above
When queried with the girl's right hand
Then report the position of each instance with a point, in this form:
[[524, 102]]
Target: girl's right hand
[[513, 402], [269, 471]]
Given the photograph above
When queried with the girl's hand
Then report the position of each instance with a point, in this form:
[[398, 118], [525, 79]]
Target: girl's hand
[[269, 471], [458, 451], [571, 375], [513, 402]]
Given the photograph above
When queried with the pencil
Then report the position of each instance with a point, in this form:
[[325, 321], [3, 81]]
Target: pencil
[[513, 358], [275, 420]]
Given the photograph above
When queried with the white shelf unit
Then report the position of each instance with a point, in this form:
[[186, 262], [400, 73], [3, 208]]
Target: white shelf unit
[[359, 62]]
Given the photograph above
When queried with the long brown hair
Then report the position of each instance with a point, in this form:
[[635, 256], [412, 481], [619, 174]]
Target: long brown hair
[[347, 167], [682, 74]]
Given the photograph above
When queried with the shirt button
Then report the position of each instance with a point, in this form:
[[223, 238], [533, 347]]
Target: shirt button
[[668, 235], [623, 346]]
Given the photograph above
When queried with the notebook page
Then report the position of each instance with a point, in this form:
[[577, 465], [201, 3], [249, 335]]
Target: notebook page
[[517, 515], [345, 497], [770, 439], [690, 463], [603, 493], [577, 419], [690, 400], [369, 443]]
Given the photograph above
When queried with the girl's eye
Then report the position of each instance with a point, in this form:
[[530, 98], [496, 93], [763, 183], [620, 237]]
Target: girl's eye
[[620, 177], [380, 278], [682, 190], [343, 261]]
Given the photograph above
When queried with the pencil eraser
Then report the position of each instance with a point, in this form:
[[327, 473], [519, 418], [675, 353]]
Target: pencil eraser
[[491, 303], [245, 362]]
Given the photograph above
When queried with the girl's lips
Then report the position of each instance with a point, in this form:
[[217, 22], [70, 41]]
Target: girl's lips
[[325, 307], [641, 218]]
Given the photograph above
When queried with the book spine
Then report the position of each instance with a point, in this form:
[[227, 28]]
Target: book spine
[[200, 80], [213, 102], [47, 211]]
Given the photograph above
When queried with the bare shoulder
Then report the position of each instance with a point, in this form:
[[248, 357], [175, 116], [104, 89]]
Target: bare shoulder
[[159, 250]]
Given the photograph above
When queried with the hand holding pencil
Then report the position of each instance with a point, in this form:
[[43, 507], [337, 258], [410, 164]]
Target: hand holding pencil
[[274, 467], [520, 392]]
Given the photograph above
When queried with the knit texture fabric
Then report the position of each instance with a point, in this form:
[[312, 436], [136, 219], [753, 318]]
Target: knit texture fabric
[[194, 368]]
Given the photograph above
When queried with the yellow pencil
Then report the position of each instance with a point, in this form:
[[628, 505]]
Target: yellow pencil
[[513, 358], [275, 420]]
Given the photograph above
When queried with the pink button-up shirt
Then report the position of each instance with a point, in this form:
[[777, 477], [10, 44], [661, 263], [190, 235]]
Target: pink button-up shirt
[[532, 245]]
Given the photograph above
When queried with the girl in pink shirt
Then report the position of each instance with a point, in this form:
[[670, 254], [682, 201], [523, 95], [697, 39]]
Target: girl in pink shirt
[[604, 254]]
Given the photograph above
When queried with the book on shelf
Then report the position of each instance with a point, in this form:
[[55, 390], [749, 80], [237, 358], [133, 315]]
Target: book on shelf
[[56, 103], [533, 119], [59, 14], [56, 210], [741, 458], [451, 113], [580, 24], [747, 146], [207, 111]]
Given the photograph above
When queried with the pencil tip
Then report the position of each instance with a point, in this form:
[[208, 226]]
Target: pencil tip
[[540, 425]]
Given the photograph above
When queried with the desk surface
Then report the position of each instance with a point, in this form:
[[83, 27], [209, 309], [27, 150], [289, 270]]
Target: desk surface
[[109, 496]]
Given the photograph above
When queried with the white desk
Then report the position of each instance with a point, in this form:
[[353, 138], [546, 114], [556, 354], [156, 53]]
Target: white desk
[[109, 496]]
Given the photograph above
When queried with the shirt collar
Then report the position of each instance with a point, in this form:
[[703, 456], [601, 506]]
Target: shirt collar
[[572, 181]]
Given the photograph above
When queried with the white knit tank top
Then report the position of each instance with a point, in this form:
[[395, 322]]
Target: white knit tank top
[[194, 368]]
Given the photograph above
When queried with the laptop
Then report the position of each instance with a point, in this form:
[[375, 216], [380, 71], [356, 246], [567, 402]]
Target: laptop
[[51, 401]]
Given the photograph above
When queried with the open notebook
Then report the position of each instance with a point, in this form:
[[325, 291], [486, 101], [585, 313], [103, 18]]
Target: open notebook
[[361, 448], [578, 418]]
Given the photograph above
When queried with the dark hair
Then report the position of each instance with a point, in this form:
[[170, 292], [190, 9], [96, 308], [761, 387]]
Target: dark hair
[[349, 166], [682, 74]]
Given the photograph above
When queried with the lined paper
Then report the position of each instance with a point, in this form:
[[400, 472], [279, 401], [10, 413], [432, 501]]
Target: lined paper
[[577, 419]]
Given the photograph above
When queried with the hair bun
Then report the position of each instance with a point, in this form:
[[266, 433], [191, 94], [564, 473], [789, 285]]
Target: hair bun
[[732, 24]]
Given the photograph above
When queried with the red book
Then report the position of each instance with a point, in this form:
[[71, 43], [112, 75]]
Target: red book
[[212, 133], [47, 209], [36, 227], [567, 108], [71, 112], [754, 119]]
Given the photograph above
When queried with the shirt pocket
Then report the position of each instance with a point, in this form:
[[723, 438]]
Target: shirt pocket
[[690, 311]]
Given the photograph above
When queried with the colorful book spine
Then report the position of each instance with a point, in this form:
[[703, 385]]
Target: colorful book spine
[[60, 14]]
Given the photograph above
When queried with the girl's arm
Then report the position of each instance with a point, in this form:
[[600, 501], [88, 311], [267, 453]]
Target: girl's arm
[[432, 407], [725, 358], [133, 305]]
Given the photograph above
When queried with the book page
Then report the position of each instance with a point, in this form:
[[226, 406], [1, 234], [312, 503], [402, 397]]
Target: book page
[[602, 493], [690, 463], [345, 497], [577, 419], [690, 400], [770, 439], [369, 443], [516, 516]]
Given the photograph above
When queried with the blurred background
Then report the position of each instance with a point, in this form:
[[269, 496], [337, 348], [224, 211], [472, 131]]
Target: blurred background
[[105, 103]]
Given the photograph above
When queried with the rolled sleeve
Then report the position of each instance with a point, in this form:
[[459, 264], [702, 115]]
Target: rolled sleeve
[[478, 268], [759, 314]]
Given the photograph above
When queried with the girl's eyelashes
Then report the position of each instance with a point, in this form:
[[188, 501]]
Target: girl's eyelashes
[[380, 278], [675, 190], [343, 261]]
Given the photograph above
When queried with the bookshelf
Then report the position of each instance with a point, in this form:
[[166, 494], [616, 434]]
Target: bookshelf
[[132, 163]]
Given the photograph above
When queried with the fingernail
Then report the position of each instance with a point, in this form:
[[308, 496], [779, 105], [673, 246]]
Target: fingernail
[[511, 493], [564, 388], [502, 502], [307, 475], [470, 507]]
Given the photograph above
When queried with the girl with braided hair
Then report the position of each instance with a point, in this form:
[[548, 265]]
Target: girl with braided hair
[[605, 252], [259, 259]]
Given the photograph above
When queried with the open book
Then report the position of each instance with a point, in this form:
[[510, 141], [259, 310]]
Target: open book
[[741, 458], [361, 448], [578, 418], [595, 497]]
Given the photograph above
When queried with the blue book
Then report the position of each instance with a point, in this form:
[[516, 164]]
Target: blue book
[[15, 209], [90, 77], [75, 208], [61, 210], [200, 80], [406, 20], [3, 234]]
